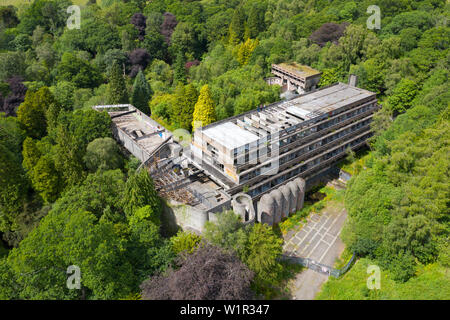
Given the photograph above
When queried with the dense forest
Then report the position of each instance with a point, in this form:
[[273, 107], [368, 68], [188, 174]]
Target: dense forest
[[69, 196]]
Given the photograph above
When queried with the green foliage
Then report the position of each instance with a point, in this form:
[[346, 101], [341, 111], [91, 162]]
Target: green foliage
[[45, 179], [140, 192], [430, 283], [403, 95], [36, 111], [141, 93], [262, 251], [204, 112], [117, 90], [104, 154], [71, 238], [78, 71], [185, 242], [257, 246]]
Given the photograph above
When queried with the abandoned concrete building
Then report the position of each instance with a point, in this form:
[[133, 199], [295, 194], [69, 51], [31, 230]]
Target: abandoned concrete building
[[257, 163], [294, 77]]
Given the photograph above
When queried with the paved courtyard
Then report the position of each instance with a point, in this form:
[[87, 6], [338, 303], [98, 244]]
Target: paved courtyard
[[319, 240], [317, 237]]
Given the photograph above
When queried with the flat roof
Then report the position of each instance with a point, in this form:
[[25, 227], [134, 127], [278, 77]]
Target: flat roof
[[260, 122], [298, 69], [230, 135]]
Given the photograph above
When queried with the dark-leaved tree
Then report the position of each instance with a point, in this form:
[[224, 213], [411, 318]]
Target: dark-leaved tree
[[208, 274]]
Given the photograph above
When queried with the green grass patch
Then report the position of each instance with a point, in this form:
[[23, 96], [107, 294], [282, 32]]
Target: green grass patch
[[432, 282]]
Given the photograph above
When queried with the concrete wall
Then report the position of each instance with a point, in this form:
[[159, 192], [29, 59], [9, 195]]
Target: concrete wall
[[281, 202], [185, 216]]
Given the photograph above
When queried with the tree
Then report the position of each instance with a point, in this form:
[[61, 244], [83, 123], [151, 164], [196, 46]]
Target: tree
[[262, 252], [78, 71], [204, 108], [141, 93], [12, 64], [139, 192], [97, 194], [139, 59], [139, 21], [33, 112], [403, 95], [104, 154], [179, 72], [71, 237], [328, 32], [13, 184], [185, 241], [8, 17], [146, 213], [181, 113], [168, 26], [329, 76], [45, 179], [207, 274], [226, 232], [30, 153], [117, 90], [245, 50], [237, 26]]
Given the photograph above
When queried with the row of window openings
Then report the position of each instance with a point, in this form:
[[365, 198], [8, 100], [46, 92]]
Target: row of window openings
[[294, 155], [303, 168], [287, 141]]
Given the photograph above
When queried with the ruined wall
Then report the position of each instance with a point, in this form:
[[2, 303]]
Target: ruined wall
[[185, 216]]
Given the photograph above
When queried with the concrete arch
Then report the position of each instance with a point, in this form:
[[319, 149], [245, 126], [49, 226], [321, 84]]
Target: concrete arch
[[243, 206], [266, 209]]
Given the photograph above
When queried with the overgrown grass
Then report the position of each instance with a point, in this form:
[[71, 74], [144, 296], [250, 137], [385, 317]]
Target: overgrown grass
[[299, 218], [432, 282], [354, 166]]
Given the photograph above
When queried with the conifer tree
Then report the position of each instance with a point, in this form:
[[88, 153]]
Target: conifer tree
[[183, 108], [179, 72], [204, 109], [141, 93], [237, 26], [117, 90]]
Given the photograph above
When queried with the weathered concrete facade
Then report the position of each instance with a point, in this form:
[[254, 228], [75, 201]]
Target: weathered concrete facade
[[257, 163]]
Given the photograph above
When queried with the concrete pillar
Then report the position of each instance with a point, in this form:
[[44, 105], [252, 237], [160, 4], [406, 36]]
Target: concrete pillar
[[280, 204], [287, 200], [295, 190], [301, 197]]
